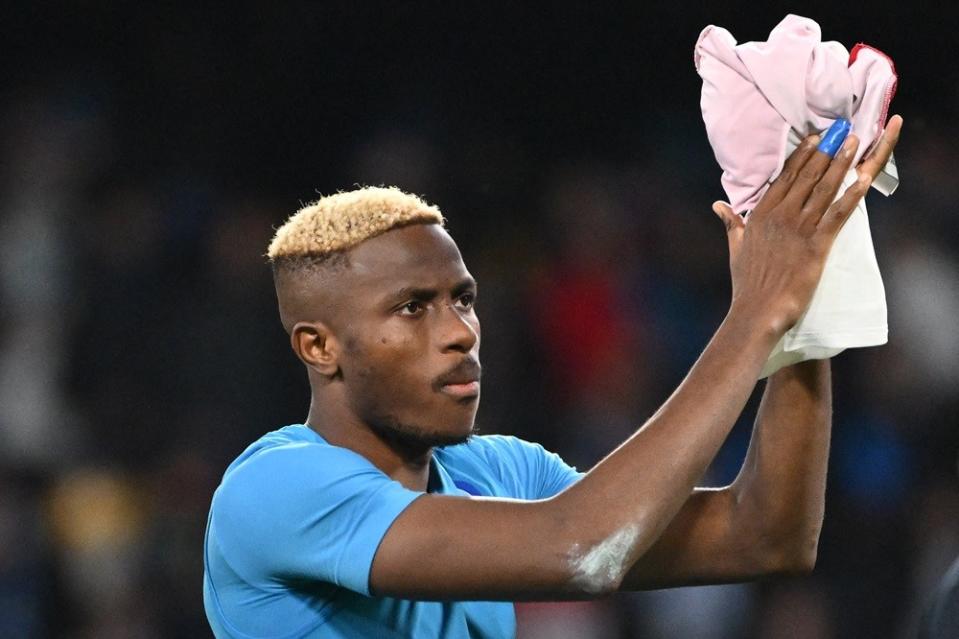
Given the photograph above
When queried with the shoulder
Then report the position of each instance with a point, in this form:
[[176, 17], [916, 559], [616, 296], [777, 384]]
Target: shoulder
[[284, 466], [286, 450], [294, 506]]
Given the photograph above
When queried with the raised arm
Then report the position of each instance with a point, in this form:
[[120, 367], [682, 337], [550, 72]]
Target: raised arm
[[583, 541], [768, 521]]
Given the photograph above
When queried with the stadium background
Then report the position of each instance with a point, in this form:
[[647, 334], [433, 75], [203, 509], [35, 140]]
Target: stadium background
[[147, 154]]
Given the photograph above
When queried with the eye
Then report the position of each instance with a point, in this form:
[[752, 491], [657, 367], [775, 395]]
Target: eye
[[466, 301], [411, 308]]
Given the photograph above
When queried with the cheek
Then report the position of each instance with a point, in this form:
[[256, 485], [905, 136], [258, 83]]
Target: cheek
[[387, 371]]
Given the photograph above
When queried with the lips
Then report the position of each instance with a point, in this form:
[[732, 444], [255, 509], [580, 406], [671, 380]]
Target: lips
[[462, 381], [462, 391]]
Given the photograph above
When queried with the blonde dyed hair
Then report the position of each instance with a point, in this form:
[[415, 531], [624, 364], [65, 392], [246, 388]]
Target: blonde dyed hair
[[338, 222]]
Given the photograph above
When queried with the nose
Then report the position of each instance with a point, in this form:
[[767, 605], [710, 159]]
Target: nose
[[458, 331]]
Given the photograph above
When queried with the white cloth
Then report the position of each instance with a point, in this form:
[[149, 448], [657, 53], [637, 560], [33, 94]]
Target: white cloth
[[758, 100]]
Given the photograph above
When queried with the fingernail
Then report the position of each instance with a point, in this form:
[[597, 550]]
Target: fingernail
[[833, 138]]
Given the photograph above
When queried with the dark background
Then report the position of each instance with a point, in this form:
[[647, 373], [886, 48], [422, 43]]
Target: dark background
[[147, 156]]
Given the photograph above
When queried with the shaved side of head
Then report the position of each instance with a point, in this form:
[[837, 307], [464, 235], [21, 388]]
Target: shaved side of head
[[306, 287], [310, 252]]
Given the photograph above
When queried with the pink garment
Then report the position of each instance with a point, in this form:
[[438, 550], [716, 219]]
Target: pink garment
[[754, 93], [759, 100]]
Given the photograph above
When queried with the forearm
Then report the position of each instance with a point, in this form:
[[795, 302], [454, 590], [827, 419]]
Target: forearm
[[768, 521], [629, 498], [783, 479]]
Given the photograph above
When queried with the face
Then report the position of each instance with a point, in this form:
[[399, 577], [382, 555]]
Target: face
[[410, 337]]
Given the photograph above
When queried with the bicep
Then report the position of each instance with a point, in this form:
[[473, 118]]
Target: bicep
[[706, 543], [445, 548]]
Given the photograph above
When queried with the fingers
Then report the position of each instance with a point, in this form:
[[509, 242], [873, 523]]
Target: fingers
[[809, 176], [841, 209], [824, 191], [731, 220], [814, 169], [882, 150], [793, 165], [735, 226]]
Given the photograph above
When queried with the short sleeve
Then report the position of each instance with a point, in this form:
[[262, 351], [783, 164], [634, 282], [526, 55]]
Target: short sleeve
[[306, 512], [526, 469]]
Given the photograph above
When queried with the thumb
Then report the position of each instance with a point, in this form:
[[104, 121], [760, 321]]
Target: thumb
[[735, 225]]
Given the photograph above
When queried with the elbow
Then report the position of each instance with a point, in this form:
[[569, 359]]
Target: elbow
[[598, 568], [786, 541], [594, 584], [793, 557], [798, 563]]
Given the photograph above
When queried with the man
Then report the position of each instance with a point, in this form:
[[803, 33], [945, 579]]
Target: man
[[381, 516]]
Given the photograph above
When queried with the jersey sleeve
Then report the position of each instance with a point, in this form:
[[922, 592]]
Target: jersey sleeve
[[306, 512], [526, 469]]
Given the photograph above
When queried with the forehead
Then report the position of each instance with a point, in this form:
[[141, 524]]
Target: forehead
[[417, 254]]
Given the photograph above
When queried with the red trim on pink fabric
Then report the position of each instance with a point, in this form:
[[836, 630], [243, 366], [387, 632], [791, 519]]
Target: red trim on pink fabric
[[890, 91], [862, 45]]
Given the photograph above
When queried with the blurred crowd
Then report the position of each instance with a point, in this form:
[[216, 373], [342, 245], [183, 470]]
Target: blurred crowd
[[140, 350]]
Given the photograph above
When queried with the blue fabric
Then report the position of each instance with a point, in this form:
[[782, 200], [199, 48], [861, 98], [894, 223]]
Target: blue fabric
[[296, 522]]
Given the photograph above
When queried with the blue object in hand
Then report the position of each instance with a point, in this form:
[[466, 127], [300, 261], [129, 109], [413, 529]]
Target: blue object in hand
[[834, 137]]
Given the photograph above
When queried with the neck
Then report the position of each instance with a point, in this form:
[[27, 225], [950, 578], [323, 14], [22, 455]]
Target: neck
[[407, 464]]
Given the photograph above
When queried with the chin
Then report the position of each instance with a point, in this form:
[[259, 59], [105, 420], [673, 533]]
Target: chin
[[413, 435], [464, 433], [449, 435]]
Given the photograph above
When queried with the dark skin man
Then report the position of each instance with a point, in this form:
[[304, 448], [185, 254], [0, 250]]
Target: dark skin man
[[392, 350]]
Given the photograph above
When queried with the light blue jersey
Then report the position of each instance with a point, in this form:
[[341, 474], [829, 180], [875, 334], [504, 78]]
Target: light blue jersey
[[296, 521]]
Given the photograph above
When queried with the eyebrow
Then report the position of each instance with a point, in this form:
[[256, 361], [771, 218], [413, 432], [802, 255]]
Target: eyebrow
[[427, 294]]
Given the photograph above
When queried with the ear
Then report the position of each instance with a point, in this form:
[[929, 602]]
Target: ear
[[315, 345]]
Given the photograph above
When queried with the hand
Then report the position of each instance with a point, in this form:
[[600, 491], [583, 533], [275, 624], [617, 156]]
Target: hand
[[777, 259], [882, 150]]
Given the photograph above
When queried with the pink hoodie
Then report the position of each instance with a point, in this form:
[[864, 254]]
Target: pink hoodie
[[756, 92]]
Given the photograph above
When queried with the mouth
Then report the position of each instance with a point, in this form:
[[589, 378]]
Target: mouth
[[462, 381], [462, 390]]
